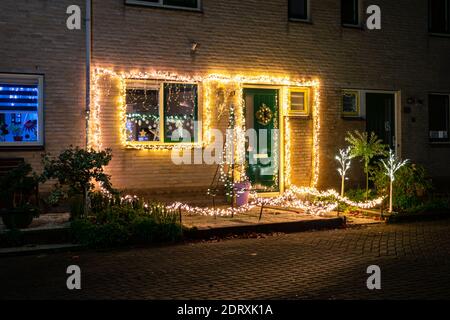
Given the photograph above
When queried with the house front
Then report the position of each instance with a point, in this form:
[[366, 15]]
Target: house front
[[168, 76]]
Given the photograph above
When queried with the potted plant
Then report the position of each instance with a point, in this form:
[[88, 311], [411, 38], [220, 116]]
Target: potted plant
[[17, 132], [19, 187]]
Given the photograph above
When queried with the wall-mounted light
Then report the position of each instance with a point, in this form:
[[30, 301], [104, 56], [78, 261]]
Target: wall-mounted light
[[194, 46]]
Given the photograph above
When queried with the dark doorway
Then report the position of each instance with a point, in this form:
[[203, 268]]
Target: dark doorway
[[380, 116]]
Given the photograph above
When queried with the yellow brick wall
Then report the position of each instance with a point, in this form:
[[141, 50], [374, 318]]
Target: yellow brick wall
[[234, 36]]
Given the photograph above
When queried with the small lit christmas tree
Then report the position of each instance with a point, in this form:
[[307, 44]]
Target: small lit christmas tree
[[344, 158], [392, 164]]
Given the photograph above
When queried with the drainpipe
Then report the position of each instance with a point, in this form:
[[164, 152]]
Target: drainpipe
[[88, 65]]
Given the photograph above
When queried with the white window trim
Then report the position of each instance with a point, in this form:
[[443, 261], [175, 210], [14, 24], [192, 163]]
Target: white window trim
[[157, 84], [40, 80], [308, 14], [360, 13], [160, 4], [448, 132]]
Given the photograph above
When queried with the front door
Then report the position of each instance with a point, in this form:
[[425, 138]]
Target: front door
[[263, 147], [380, 116]]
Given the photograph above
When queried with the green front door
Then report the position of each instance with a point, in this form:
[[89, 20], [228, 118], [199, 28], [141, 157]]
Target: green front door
[[263, 156], [380, 116]]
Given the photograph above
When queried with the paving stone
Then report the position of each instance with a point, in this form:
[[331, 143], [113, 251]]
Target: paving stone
[[330, 264]]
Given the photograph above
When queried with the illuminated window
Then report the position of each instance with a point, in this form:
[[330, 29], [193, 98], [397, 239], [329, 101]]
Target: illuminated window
[[299, 10], [350, 12], [180, 112], [161, 113], [350, 103], [299, 101], [182, 4], [21, 107], [439, 16], [439, 118]]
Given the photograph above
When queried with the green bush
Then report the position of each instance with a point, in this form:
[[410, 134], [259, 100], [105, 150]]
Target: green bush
[[129, 223], [411, 187], [110, 234], [75, 171]]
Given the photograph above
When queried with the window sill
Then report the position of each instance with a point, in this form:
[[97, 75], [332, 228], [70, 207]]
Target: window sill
[[353, 26], [162, 146], [439, 35], [305, 21], [21, 148], [353, 118], [158, 6], [437, 144]]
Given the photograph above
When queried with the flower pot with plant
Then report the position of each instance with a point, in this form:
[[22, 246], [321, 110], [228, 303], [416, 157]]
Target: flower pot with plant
[[19, 197], [17, 132]]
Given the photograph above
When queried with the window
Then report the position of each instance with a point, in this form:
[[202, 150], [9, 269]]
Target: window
[[299, 10], [439, 16], [161, 113], [21, 107], [350, 12], [438, 109], [180, 112], [181, 4], [299, 102], [351, 103]]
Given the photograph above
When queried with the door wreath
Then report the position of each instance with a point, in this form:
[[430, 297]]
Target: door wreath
[[264, 115]]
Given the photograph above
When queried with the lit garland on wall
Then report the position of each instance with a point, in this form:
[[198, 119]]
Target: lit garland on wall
[[95, 140], [316, 138]]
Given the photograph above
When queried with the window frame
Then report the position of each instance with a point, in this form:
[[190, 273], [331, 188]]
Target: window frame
[[308, 13], [160, 4], [39, 78], [447, 22], [149, 84], [306, 103], [357, 113], [437, 140], [359, 16]]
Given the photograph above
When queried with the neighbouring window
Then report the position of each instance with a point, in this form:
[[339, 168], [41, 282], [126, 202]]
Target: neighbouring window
[[184, 4], [162, 113], [21, 110], [350, 12], [351, 103], [298, 102], [438, 109], [439, 16], [299, 9]]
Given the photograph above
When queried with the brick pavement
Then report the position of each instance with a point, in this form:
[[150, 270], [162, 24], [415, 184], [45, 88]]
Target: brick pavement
[[414, 260]]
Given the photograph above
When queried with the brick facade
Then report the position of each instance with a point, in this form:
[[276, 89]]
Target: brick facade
[[401, 57]]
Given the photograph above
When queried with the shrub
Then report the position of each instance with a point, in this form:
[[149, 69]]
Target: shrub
[[75, 169], [88, 233], [366, 147], [128, 223], [411, 187]]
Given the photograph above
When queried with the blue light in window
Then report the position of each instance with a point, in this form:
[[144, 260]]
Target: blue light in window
[[22, 89]]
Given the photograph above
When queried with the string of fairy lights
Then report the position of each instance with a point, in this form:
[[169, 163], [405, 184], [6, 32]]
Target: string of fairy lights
[[325, 202]]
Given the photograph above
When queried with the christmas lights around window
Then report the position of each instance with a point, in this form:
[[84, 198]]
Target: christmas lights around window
[[95, 131]]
